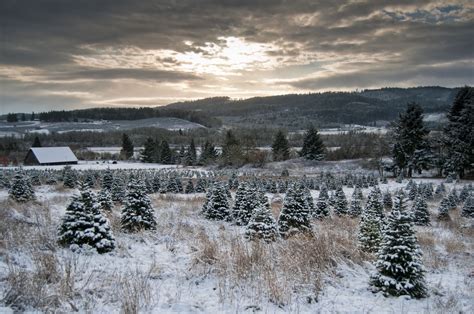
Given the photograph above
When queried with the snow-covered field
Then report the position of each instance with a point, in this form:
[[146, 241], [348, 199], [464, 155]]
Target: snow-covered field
[[192, 265]]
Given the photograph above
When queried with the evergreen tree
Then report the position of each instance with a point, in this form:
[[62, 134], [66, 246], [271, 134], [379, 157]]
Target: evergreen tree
[[399, 266], [410, 149], [421, 216], [21, 189], [465, 192], [458, 135], [107, 180], [70, 178], [370, 228], [468, 207], [232, 154], [189, 189], [387, 200], [374, 203], [245, 202], [83, 224], [262, 225], [313, 147], [137, 213], [322, 205], [165, 153], [216, 206], [443, 209], [208, 153], [127, 147], [340, 205], [105, 200], [118, 190], [36, 142], [148, 153], [294, 215], [280, 147], [12, 117], [190, 157], [355, 208], [201, 185]]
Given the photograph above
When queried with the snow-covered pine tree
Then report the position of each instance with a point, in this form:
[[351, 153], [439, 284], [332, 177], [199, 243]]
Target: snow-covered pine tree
[[21, 189], [453, 198], [340, 204], [107, 180], [355, 208], [399, 266], [465, 192], [216, 206], [413, 191], [137, 212], [309, 200], [468, 207], [387, 200], [374, 203], [189, 189], [70, 178], [358, 194], [245, 202], [118, 190], [83, 224], [294, 215], [421, 216], [370, 229], [440, 190], [322, 204], [262, 224], [443, 209], [105, 200]]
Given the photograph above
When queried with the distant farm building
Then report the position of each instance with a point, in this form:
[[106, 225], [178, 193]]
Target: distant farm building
[[49, 156]]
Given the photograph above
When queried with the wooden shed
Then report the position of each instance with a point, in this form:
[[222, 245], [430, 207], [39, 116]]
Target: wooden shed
[[49, 156]]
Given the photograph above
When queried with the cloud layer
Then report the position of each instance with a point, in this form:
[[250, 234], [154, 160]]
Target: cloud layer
[[67, 54]]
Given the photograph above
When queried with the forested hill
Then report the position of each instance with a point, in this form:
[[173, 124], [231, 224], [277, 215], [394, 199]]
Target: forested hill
[[330, 107]]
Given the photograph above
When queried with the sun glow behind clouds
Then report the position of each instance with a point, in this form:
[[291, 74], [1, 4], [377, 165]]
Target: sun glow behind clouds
[[226, 56]]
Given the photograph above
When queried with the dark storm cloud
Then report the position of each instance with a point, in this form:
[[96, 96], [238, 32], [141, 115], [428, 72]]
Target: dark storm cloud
[[409, 40]]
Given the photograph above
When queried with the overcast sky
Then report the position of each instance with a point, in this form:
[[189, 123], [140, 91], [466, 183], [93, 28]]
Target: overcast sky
[[63, 54]]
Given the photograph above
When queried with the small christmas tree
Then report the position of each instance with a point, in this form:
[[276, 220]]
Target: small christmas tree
[[294, 216], [355, 208], [374, 203], [137, 213], [443, 209], [421, 216], [468, 207], [387, 200], [21, 190], [189, 189], [70, 178], [216, 206], [399, 267], [107, 180], [245, 202], [118, 190], [83, 224], [465, 192], [370, 230], [262, 225], [322, 204], [340, 204], [105, 200]]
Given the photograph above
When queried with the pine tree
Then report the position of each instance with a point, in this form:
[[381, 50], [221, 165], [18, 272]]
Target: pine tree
[[105, 200], [232, 154], [313, 147], [36, 142], [166, 156], [245, 202], [370, 229], [147, 154], [280, 147], [137, 212], [468, 207], [262, 225], [322, 205], [387, 200], [410, 149], [421, 216], [458, 135], [127, 147], [358, 193], [443, 209], [355, 208], [107, 180], [83, 224], [399, 266], [189, 189], [118, 190], [340, 205], [465, 192], [216, 206], [374, 203], [21, 189], [201, 185], [208, 153], [70, 178], [294, 215]]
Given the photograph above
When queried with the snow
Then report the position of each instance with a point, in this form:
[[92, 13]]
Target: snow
[[46, 155], [96, 165], [161, 266]]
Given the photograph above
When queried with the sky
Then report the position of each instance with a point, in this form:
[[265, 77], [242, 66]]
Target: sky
[[64, 54]]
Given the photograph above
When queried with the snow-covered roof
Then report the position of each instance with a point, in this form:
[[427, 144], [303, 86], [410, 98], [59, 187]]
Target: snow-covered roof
[[48, 155]]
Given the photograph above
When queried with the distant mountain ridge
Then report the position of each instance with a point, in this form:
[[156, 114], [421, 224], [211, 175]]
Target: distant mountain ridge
[[326, 108]]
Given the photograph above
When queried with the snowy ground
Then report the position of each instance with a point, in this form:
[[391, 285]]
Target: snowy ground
[[191, 265], [99, 165]]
